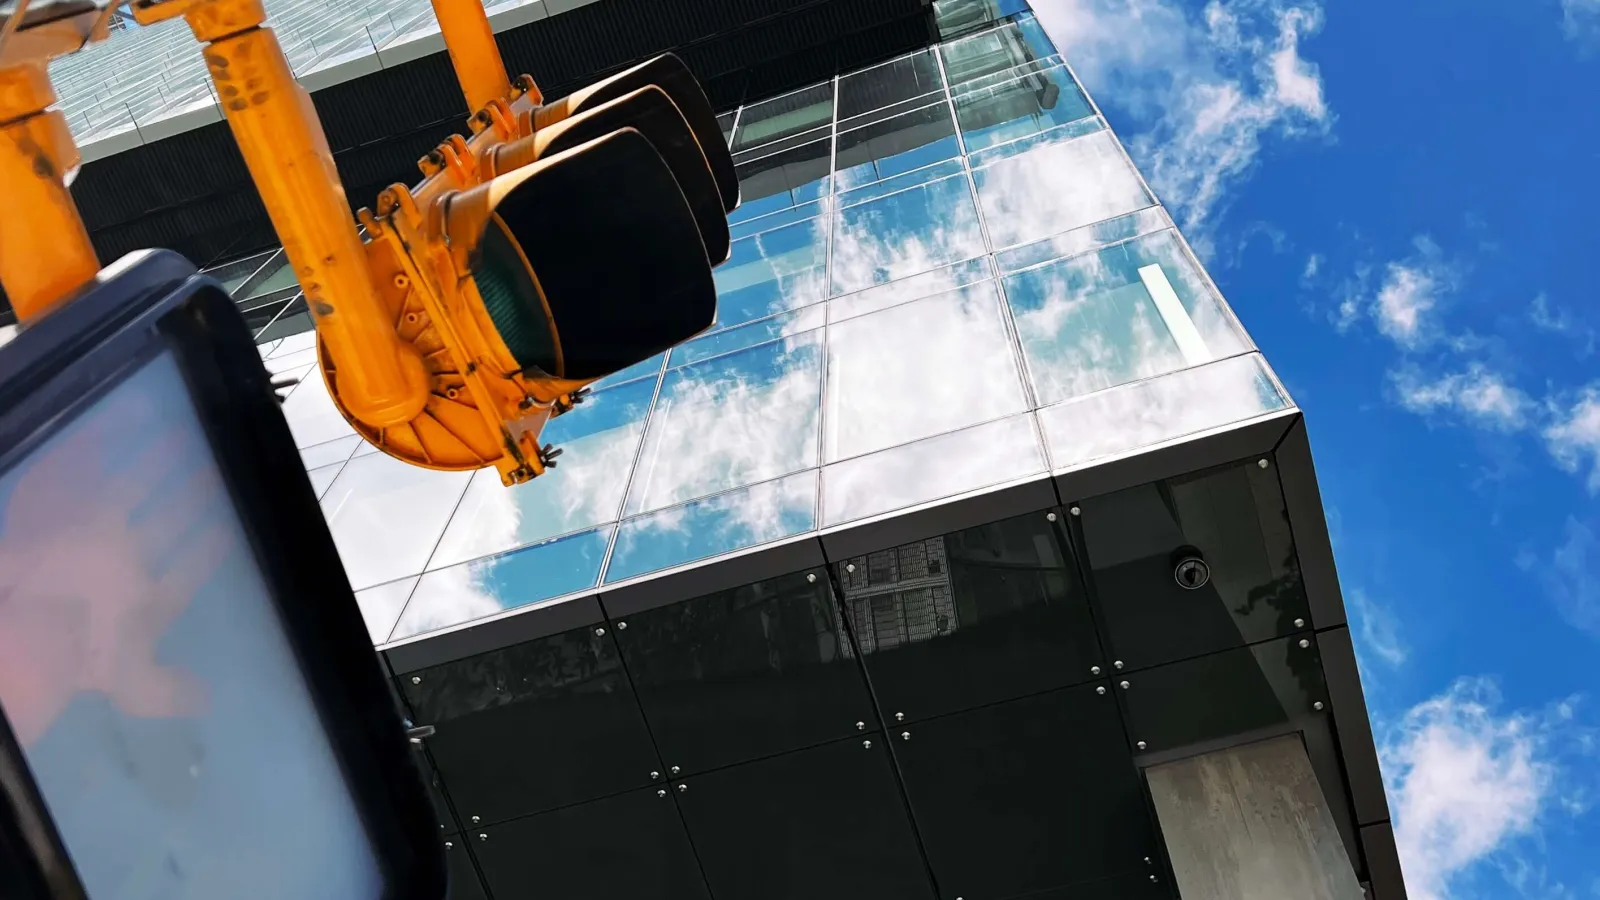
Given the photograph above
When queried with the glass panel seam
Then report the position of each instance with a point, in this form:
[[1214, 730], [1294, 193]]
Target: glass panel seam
[[1007, 273], [830, 210], [638, 455], [1148, 378]]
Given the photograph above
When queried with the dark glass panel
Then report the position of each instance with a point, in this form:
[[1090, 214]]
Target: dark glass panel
[[1233, 520], [749, 672], [464, 884], [781, 117], [1026, 796], [531, 727], [772, 179], [974, 617], [825, 822], [629, 846], [1236, 692], [907, 78]]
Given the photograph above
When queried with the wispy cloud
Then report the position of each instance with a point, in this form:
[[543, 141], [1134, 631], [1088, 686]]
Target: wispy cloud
[[1203, 92], [1379, 629], [1556, 320], [1574, 434], [1404, 307], [1313, 266], [1479, 395], [1466, 782], [1580, 19], [1571, 575]]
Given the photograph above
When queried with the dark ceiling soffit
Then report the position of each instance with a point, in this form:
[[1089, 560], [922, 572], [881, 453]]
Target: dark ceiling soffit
[[1255, 438], [722, 575], [541, 621], [1354, 728], [1383, 862], [1309, 525]]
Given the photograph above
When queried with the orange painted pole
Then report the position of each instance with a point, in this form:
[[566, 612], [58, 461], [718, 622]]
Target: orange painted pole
[[45, 253], [382, 380], [473, 51]]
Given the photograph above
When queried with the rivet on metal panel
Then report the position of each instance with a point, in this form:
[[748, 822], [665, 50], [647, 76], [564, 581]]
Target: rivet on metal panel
[[1305, 644], [475, 820], [1094, 670], [1153, 878], [674, 770], [811, 578], [905, 735], [1140, 745], [1317, 705], [654, 775], [622, 626], [1299, 623], [1100, 690], [416, 679], [683, 789], [1117, 663], [661, 793], [1075, 511], [1147, 860], [1263, 463], [899, 717], [849, 567], [448, 845], [1124, 685], [1050, 517], [482, 836], [598, 632], [867, 744], [861, 726]]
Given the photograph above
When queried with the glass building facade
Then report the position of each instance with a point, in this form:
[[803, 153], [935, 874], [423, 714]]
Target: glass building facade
[[932, 570], [946, 276]]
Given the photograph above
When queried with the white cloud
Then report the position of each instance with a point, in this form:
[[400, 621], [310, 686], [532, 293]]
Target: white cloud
[[1407, 295], [1478, 394], [1202, 93], [1313, 266], [1406, 301], [1571, 575], [1466, 783], [1580, 19], [1574, 436], [1558, 321], [1379, 629]]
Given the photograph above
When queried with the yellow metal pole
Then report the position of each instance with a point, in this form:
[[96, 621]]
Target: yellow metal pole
[[382, 380], [473, 51], [45, 253]]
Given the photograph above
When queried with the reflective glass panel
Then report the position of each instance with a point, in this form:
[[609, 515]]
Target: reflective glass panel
[[931, 469], [905, 233], [908, 141], [536, 726], [277, 275], [771, 179], [906, 78], [313, 418], [995, 50], [651, 366], [381, 605], [599, 438], [1016, 103], [1082, 240], [1027, 797], [896, 183], [824, 822], [907, 289], [322, 479], [917, 370], [773, 272], [1160, 409], [731, 420], [720, 524], [1263, 687], [741, 674], [386, 516], [447, 597], [1057, 186], [785, 116], [970, 618], [294, 319], [771, 328], [630, 845], [1156, 604], [326, 454], [767, 222]]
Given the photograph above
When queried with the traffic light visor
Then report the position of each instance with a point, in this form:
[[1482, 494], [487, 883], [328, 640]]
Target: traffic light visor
[[669, 74], [588, 261]]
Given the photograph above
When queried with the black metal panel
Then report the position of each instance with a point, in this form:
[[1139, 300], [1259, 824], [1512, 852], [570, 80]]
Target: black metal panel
[[1027, 796], [1356, 744], [745, 673], [539, 725], [531, 624], [1193, 565], [974, 617], [990, 506], [632, 845], [825, 822], [1383, 862], [1225, 698], [1300, 492]]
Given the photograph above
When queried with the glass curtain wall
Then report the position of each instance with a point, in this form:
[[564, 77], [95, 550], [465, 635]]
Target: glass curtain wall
[[946, 276]]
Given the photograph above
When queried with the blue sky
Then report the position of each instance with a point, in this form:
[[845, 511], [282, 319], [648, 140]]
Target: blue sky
[[1398, 200]]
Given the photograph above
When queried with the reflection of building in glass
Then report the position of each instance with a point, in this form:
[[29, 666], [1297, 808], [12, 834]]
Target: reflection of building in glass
[[899, 596]]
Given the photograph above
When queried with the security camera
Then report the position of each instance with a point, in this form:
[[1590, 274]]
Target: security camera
[[1190, 569]]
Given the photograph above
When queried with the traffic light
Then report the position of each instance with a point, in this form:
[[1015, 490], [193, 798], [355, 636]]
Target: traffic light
[[564, 242]]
